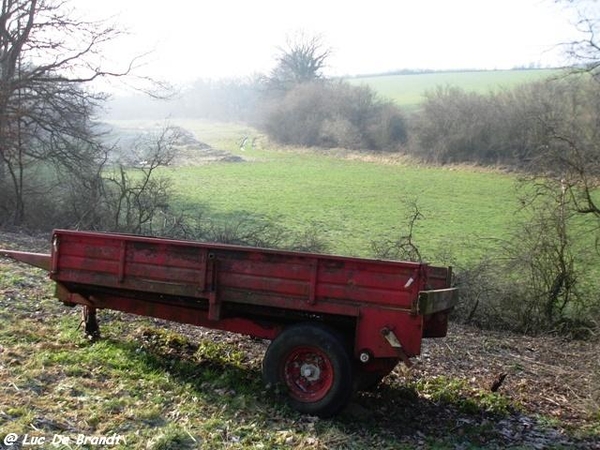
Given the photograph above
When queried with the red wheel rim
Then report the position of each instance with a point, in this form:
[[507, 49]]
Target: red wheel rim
[[308, 374]]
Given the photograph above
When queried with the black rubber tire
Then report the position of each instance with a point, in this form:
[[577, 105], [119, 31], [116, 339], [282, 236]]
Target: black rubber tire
[[313, 366]]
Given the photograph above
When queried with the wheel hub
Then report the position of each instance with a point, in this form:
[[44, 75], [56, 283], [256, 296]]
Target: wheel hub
[[310, 372]]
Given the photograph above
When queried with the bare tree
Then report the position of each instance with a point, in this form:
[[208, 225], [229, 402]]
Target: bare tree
[[585, 52], [577, 148], [301, 60], [47, 57], [134, 195], [402, 247], [569, 143]]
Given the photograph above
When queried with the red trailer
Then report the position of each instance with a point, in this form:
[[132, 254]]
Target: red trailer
[[337, 324]]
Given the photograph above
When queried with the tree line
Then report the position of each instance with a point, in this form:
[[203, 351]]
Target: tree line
[[55, 167]]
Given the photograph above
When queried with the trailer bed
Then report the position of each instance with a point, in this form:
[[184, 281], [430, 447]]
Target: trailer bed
[[369, 314]]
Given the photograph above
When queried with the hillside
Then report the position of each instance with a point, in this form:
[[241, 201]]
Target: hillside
[[407, 90], [160, 385], [210, 99]]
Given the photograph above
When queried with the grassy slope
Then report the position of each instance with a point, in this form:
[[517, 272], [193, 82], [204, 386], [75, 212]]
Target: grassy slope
[[353, 201], [356, 202], [164, 387], [408, 90]]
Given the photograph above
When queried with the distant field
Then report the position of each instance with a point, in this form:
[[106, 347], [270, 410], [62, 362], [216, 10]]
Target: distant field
[[408, 90], [352, 201]]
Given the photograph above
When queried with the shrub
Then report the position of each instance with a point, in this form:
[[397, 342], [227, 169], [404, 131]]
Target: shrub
[[539, 280], [510, 127], [453, 127], [334, 114]]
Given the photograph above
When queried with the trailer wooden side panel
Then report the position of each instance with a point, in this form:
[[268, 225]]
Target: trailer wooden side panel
[[240, 274], [259, 288]]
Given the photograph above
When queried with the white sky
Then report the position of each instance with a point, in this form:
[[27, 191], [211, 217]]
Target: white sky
[[233, 38]]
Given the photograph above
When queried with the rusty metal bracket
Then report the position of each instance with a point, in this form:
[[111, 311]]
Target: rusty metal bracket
[[312, 287], [122, 261], [392, 339]]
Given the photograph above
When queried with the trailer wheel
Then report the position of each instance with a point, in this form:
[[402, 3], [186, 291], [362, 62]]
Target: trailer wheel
[[314, 367]]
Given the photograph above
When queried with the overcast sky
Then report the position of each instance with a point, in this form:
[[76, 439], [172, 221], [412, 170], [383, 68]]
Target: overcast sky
[[234, 38]]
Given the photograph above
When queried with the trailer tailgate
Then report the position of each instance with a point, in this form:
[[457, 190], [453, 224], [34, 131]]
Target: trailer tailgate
[[435, 301]]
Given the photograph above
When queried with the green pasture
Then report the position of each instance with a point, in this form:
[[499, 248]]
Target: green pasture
[[352, 201], [407, 90]]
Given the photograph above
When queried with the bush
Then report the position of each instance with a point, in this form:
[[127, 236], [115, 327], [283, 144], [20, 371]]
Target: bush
[[453, 126], [537, 281], [334, 114], [243, 229], [540, 280], [510, 127]]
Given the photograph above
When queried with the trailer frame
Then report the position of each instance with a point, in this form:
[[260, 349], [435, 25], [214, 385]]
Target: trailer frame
[[361, 316]]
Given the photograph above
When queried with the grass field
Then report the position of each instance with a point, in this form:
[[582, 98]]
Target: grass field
[[351, 200], [407, 90]]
